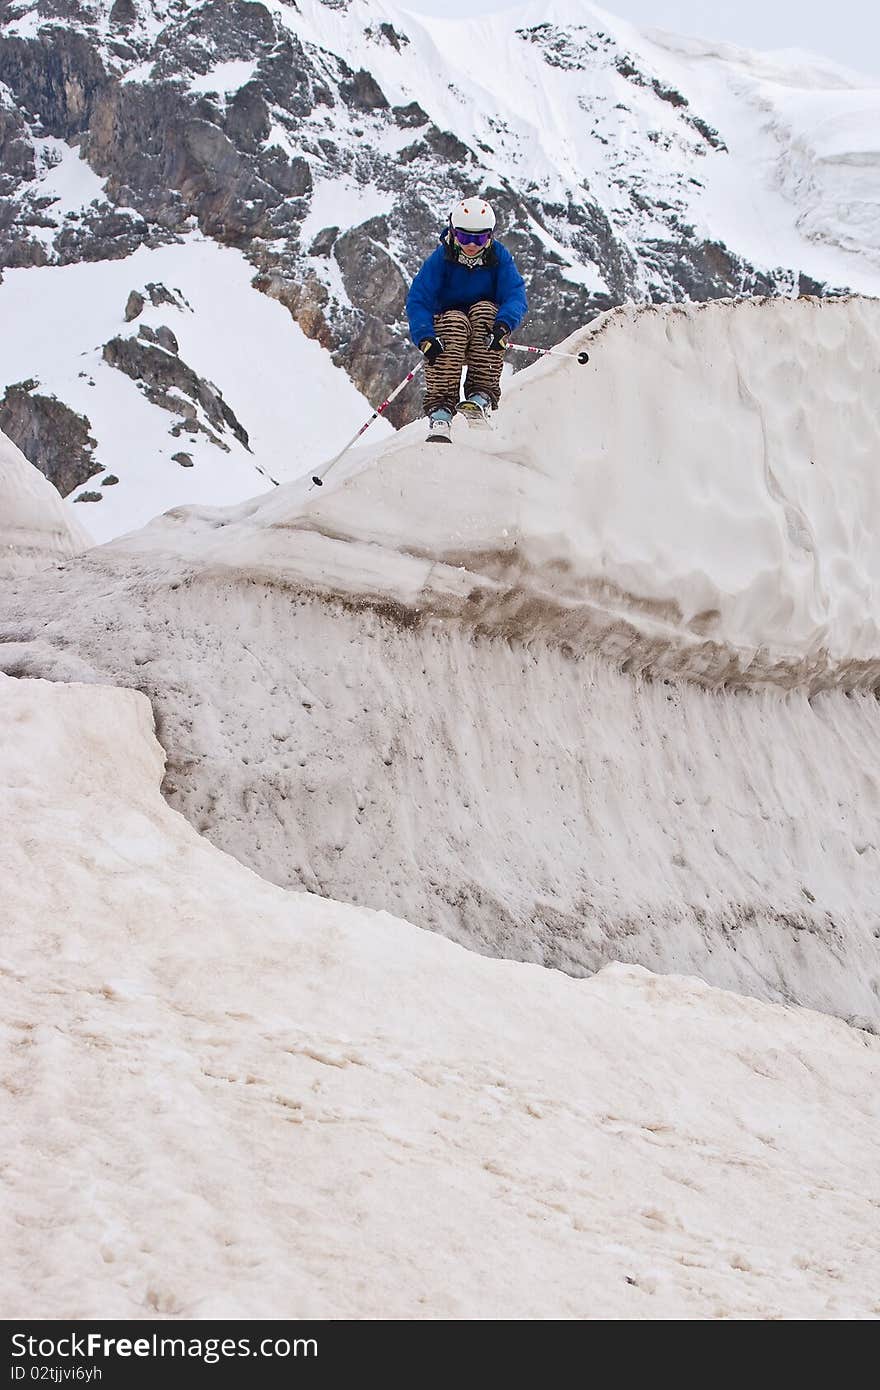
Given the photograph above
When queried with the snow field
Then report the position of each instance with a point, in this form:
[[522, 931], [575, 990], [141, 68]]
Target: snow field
[[225, 1100], [281, 385]]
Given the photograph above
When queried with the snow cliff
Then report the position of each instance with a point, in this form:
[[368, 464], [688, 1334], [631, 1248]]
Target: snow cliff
[[598, 686], [36, 526], [705, 488], [229, 1101]]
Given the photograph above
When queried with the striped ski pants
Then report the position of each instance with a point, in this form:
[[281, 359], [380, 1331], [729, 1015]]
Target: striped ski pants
[[464, 344]]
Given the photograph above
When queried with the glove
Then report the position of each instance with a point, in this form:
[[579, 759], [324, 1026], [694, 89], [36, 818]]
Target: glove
[[432, 348], [499, 338]]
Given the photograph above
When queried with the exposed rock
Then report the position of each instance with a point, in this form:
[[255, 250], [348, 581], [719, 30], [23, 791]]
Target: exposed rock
[[411, 115], [54, 438], [306, 299], [291, 79], [247, 118], [166, 339], [217, 184], [185, 460], [448, 146], [110, 481], [586, 229], [808, 286], [284, 224], [417, 150], [395, 37], [172, 164], [362, 91], [372, 280], [102, 234], [161, 336], [122, 50], [133, 306], [17, 164], [160, 294], [292, 177], [708, 132], [323, 242], [57, 77], [386, 33], [557, 47], [89, 497], [218, 31], [123, 14], [69, 10], [159, 373], [704, 270], [192, 426]]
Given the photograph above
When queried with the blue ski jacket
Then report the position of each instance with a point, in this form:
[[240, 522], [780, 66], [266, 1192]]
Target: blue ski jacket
[[444, 283]]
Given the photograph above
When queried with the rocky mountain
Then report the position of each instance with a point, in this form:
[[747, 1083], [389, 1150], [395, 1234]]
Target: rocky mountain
[[324, 140]]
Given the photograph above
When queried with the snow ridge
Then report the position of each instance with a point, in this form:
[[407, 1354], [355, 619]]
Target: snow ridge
[[699, 494], [621, 655]]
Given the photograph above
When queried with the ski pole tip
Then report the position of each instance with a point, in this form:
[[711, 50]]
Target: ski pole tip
[[319, 482], [583, 357]]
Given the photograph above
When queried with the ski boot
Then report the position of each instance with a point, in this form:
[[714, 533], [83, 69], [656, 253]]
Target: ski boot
[[476, 410], [439, 427]]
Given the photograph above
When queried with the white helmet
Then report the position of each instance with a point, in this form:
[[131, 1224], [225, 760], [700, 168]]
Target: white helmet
[[473, 215]]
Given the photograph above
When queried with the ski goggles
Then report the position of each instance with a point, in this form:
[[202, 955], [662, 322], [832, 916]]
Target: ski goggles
[[465, 238]]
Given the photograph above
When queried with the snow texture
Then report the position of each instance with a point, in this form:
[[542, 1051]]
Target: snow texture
[[36, 526], [598, 686], [818, 123], [709, 481], [224, 1100]]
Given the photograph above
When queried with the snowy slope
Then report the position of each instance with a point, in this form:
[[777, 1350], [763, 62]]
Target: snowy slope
[[282, 387], [798, 124], [710, 478], [36, 526], [342, 1116], [457, 638], [575, 99]]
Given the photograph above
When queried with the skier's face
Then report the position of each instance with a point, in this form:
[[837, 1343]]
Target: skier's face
[[471, 243]]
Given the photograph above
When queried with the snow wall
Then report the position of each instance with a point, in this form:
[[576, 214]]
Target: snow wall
[[600, 685], [36, 525], [227, 1101]]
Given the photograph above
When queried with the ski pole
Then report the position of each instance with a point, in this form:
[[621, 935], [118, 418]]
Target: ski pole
[[318, 478], [582, 357]]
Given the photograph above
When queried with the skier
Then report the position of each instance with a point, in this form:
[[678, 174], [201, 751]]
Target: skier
[[463, 304]]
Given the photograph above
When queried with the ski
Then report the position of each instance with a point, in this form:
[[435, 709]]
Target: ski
[[476, 415], [439, 432]]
